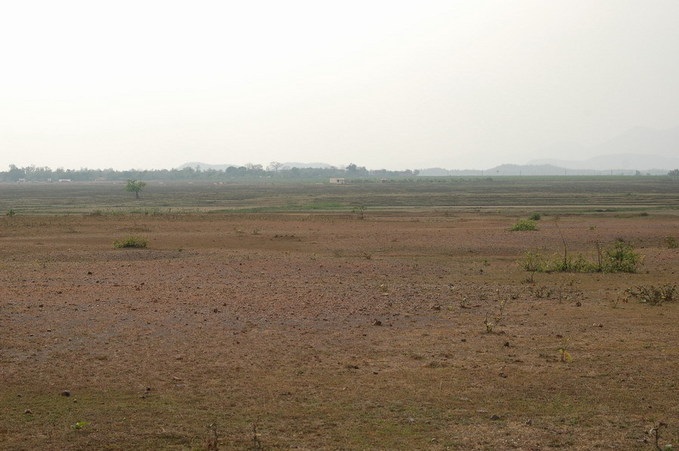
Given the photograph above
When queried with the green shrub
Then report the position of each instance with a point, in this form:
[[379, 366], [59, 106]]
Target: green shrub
[[621, 257], [535, 216], [534, 262], [11, 212], [523, 225], [132, 241], [671, 242]]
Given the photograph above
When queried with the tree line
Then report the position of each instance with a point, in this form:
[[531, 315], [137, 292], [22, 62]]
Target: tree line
[[246, 172]]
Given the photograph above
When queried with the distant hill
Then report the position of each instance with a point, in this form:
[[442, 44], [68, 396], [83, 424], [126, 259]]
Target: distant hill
[[663, 143], [654, 163], [646, 150], [533, 170], [640, 148]]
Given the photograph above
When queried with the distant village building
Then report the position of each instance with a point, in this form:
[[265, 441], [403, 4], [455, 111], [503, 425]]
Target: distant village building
[[338, 181]]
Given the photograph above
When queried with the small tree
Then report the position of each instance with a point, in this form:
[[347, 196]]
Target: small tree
[[135, 186], [674, 173]]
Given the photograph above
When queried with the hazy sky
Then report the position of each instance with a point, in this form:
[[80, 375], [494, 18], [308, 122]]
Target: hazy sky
[[383, 84]]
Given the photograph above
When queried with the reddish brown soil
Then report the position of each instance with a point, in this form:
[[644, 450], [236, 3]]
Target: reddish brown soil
[[330, 332]]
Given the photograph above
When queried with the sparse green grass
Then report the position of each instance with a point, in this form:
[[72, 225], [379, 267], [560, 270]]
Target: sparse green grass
[[619, 257], [131, 241], [524, 225]]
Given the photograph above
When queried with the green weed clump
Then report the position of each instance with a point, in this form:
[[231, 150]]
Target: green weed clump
[[652, 295], [619, 257], [132, 241], [535, 216], [524, 225], [575, 264], [671, 242]]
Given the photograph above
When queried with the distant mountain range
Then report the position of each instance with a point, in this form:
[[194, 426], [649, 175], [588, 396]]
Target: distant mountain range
[[642, 149], [639, 150], [616, 162]]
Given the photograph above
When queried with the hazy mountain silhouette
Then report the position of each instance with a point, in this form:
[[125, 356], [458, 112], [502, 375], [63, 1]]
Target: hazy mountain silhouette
[[639, 148]]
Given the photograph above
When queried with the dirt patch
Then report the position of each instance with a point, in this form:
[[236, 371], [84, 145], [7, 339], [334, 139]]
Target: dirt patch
[[331, 332]]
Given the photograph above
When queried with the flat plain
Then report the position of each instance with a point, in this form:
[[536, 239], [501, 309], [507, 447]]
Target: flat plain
[[298, 316]]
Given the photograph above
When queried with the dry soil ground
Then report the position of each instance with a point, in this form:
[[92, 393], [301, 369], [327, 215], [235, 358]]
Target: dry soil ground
[[326, 331]]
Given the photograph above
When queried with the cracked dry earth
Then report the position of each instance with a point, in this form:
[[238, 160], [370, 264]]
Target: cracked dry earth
[[325, 331]]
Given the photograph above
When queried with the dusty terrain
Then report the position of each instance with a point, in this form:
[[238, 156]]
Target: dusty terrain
[[326, 331]]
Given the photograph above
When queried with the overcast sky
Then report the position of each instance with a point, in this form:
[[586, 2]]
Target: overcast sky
[[383, 84]]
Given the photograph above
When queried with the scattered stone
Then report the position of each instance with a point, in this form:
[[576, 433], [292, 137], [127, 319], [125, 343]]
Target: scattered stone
[[506, 345], [578, 304], [377, 322], [66, 393], [495, 417], [28, 412]]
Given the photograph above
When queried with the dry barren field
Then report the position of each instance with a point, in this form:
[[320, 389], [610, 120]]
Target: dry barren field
[[401, 330]]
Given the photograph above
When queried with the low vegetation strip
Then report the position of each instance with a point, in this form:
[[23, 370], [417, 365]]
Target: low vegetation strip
[[585, 195], [618, 257]]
